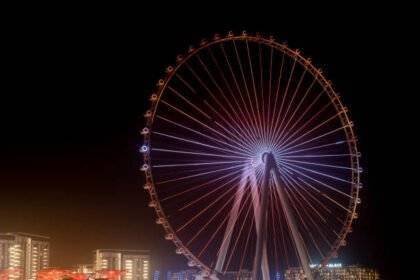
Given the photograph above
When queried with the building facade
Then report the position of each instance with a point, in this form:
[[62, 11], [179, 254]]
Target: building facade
[[182, 275], [335, 273], [23, 255], [84, 268], [238, 275], [135, 264]]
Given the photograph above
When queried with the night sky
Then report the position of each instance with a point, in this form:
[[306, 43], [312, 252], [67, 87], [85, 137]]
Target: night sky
[[75, 90]]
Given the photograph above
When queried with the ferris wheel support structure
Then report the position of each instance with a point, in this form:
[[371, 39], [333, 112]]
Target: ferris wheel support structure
[[271, 169]]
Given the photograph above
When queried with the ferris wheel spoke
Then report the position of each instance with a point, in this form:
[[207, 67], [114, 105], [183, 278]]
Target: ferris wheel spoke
[[280, 128], [206, 183], [205, 209], [269, 93], [263, 109], [319, 173], [199, 174], [284, 96], [293, 185], [246, 243], [271, 118], [287, 143], [203, 124], [219, 227], [210, 220], [273, 224], [233, 111], [198, 153], [237, 238], [235, 150], [315, 138], [318, 156], [253, 204], [197, 77], [319, 164], [233, 216], [291, 196], [197, 143], [283, 131], [319, 231], [253, 117], [316, 180], [247, 127], [211, 239], [256, 193], [287, 155], [338, 204], [287, 221], [249, 118], [179, 77], [240, 233], [283, 231], [228, 128], [321, 254], [177, 93], [328, 198], [210, 193], [288, 139], [314, 224], [324, 207], [317, 226], [258, 115], [308, 108], [197, 164]]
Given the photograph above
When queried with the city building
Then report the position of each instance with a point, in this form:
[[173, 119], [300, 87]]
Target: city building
[[238, 275], [84, 268], [156, 275], [182, 275], [23, 254], [135, 264], [334, 272]]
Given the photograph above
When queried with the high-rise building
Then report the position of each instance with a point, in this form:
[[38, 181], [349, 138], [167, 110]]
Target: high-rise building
[[134, 263], [23, 254], [335, 272]]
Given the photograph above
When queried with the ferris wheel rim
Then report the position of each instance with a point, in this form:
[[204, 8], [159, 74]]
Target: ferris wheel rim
[[320, 78]]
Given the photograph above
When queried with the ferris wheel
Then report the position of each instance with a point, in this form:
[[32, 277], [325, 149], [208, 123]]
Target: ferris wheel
[[251, 159]]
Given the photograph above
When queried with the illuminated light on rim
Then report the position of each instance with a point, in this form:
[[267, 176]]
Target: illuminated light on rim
[[145, 131], [148, 114], [144, 149], [153, 97], [144, 167], [169, 236], [179, 251]]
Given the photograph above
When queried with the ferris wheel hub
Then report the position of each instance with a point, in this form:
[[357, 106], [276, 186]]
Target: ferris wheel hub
[[265, 156]]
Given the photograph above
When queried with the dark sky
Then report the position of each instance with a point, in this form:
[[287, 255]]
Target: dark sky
[[75, 90]]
